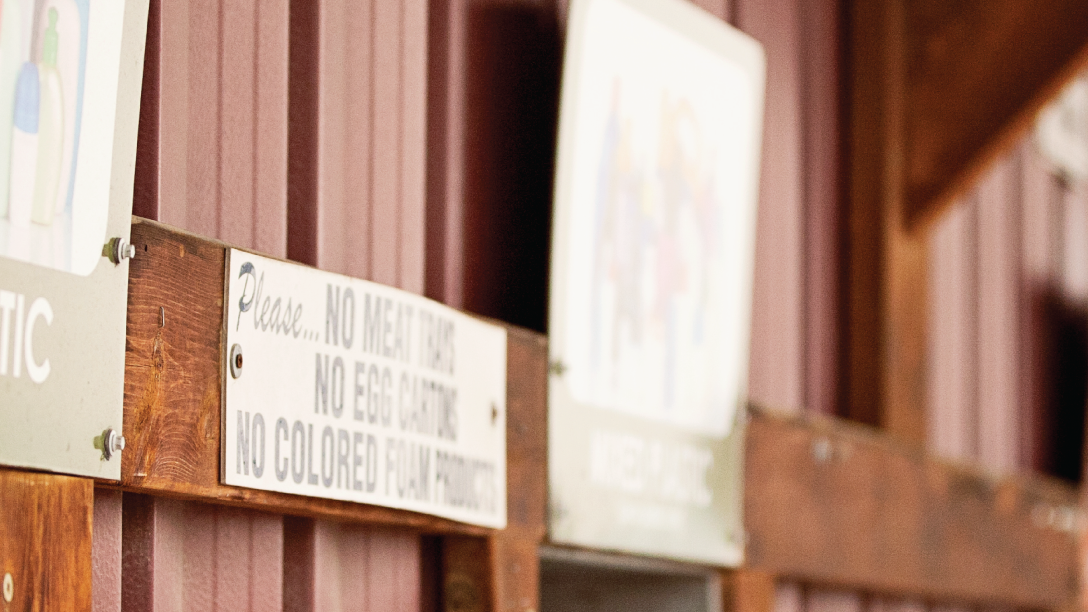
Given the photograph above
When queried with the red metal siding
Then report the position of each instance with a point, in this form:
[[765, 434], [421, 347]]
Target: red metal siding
[[776, 378], [106, 552], [212, 154], [186, 555], [358, 197]]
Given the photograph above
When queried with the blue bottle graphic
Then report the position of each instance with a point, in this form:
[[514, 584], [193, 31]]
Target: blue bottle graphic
[[24, 146]]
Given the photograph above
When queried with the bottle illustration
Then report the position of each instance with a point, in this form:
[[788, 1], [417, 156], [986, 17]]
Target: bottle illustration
[[24, 146], [70, 34], [50, 128], [11, 37]]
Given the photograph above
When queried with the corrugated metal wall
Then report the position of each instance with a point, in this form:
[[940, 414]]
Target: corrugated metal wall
[[1008, 314], [412, 144], [228, 85]]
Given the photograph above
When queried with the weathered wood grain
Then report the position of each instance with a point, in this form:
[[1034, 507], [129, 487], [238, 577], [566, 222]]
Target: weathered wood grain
[[885, 315], [748, 591], [839, 504], [977, 72], [45, 540], [173, 392], [869, 513]]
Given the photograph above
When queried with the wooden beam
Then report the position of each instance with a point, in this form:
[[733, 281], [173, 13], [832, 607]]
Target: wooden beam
[[45, 540], [977, 71], [886, 264], [841, 504], [173, 392], [825, 500], [747, 590]]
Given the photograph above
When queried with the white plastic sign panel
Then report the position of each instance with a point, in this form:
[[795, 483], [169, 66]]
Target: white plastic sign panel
[[351, 390], [70, 77], [652, 262]]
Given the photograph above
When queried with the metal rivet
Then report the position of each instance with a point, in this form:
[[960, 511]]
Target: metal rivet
[[236, 360], [112, 443], [119, 250], [9, 587]]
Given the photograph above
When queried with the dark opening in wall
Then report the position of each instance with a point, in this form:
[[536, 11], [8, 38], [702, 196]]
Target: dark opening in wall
[[511, 89], [1061, 370]]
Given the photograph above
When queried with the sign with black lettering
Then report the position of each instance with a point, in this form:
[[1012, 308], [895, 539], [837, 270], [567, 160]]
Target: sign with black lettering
[[652, 260], [347, 389], [70, 77]]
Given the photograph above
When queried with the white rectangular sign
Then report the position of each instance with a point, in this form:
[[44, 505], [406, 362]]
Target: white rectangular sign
[[346, 389], [653, 247], [71, 72]]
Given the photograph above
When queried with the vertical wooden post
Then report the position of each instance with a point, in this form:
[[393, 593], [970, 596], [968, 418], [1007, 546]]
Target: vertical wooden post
[[885, 364], [747, 591], [45, 540]]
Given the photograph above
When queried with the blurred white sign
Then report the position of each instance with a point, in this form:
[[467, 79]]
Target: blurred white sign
[[1062, 132], [652, 263]]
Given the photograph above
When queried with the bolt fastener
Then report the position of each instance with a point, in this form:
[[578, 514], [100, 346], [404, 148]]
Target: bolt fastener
[[557, 367], [112, 443], [235, 361], [119, 249]]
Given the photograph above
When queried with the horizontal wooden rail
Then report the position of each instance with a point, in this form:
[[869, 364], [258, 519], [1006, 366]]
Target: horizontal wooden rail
[[173, 386], [825, 500], [838, 503]]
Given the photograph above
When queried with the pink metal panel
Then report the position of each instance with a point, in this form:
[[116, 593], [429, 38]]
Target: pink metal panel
[[270, 136], [998, 317], [821, 87], [413, 153], [202, 134], [237, 98], [789, 596], [445, 153], [106, 551], [718, 8], [821, 600], [386, 141], [334, 567], [951, 387], [343, 131], [213, 146], [777, 359], [1074, 246], [358, 178], [186, 556]]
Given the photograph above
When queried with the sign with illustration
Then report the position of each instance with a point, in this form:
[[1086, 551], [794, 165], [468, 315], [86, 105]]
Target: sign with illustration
[[346, 389], [70, 77], [652, 262]]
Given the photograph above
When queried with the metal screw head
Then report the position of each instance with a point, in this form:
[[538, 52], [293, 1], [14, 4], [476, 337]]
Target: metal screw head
[[9, 587], [120, 250], [235, 360], [112, 443]]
